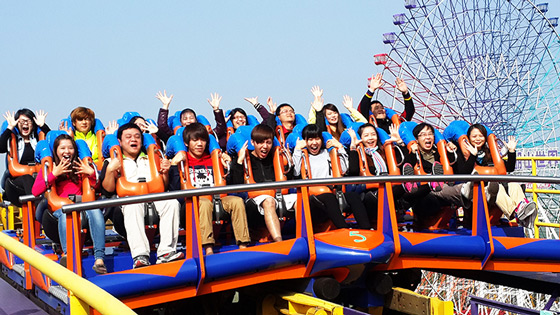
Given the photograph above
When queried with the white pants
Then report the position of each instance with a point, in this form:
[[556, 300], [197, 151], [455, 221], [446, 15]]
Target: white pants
[[168, 211]]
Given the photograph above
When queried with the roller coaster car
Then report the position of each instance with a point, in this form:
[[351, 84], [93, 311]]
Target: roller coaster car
[[441, 220], [251, 121], [299, 121], [99, 131], [124, 187], [175, 145], [457, 132], [282, 165], [12, 159]]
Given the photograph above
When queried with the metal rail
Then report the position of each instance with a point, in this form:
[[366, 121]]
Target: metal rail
[[79, 287], [296, 183]]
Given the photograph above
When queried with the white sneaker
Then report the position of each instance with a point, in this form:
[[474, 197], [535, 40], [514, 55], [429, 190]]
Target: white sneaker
[[466, 190], [525, 209]]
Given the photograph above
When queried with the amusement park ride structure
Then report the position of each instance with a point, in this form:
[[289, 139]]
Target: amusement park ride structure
[[481, 61]]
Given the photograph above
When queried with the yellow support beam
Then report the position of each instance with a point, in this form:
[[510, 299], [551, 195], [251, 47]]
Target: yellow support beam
[[409, 302], [85, 291]]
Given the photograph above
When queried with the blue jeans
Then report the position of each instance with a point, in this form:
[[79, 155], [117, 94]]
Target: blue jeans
[[96, 227]]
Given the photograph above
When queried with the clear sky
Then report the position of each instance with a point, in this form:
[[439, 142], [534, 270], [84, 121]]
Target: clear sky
[[113, 56]]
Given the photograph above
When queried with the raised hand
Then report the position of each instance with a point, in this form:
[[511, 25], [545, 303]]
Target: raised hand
[[10, 118], [111, 127], [62, 168], [511, 144], [355, 142], [253, 100], [468, 149], [300, 144], [401, 85], [40, 117], [164, 99], [214, 101], [375, 82], [334, 143], [347, 102], [242, 152], [317, 91], [151, 127], [317, 104], [64, 127], [271, 105], [82, 168], [394, 135]]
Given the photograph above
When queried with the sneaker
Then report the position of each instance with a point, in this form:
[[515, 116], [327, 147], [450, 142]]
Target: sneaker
[[409, 187], [437, 169], [171, 256], [140, 261], [491, 192], [525, 209]]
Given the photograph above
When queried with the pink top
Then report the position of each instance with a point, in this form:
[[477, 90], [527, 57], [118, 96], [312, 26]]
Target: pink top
[[64, 187]]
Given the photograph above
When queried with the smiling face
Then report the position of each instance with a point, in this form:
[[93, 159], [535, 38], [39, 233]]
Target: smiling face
[[187, 118], [25, 126], [238, 120], [65, 150], [131, 142], [477, 139], [369, 137], [262, 148], [426, 139], [332, 116], [314, 145], [82, 125], [197, 147], [378, 111]]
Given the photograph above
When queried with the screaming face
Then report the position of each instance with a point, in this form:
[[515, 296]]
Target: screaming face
[[426, 139], [262, 148], [314, 145]]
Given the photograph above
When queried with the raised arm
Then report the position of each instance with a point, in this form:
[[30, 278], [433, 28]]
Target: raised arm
[[408, 103], [356, 115], [375, 82], [164, 130]]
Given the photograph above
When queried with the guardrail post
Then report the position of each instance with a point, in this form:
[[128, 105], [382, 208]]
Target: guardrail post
[[78, 306]]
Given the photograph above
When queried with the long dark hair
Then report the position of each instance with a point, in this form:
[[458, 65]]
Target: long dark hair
[[379, 144], [73, 176], [339, 125]]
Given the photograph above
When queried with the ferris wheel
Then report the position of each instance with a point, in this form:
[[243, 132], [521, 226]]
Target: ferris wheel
[[485, 61]]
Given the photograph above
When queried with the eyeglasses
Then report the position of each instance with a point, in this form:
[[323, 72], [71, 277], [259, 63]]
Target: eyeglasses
[[425, 134], [287, 111], [25, 121]]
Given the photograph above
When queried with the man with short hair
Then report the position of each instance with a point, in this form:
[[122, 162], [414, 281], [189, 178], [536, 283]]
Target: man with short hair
[[262, 167], [201, 173], [136, 166]]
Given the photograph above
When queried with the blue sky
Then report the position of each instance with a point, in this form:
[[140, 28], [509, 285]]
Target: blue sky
[[113, 56]]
